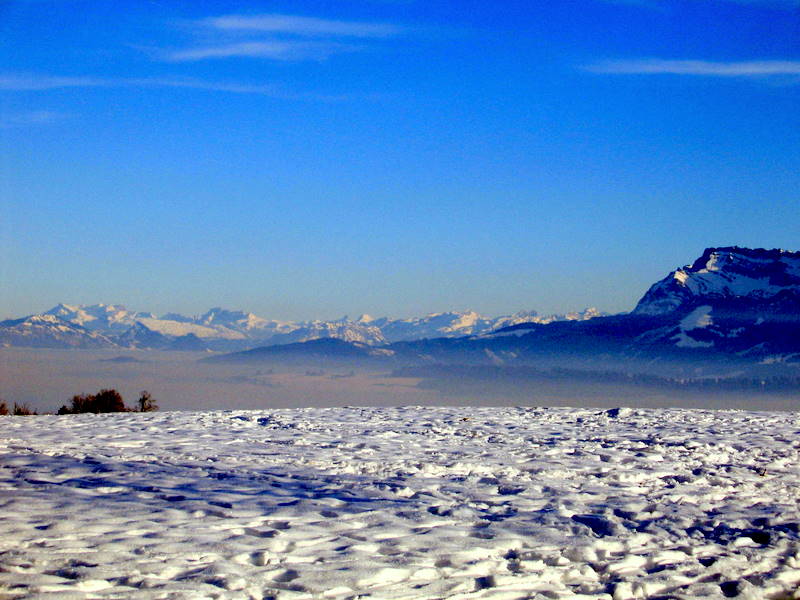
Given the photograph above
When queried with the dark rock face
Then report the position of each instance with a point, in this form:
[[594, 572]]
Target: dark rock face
[[323, 348], [188, 343], [140, 336]]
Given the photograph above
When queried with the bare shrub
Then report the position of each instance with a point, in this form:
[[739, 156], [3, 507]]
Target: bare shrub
[[105, 401], [146, 402], [18, 410], [23, 410]]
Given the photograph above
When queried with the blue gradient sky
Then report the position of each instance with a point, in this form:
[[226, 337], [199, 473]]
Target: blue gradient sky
[[314, 159]]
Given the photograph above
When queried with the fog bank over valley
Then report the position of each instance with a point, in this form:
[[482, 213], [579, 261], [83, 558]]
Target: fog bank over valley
[[45, 379]]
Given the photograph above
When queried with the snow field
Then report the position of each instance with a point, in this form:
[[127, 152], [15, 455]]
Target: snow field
[[403, 502]]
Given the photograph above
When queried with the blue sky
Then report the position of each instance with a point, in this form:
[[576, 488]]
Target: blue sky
[[314, 159]]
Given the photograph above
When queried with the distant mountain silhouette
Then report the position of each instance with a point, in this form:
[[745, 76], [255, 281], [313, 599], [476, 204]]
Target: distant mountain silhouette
[[228, 330], [739, 303], [325, 348]]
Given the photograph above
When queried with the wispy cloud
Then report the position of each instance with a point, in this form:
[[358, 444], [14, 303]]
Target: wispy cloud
[[278, 37], [656, 66], [32, 117], [301, 26], [33, 82], [286, 50], [199, 84], [26, 82]]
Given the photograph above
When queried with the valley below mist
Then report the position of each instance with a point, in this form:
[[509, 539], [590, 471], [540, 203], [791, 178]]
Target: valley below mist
[[44, 379]]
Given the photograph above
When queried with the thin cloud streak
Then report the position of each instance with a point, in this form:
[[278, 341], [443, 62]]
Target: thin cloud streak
[[272, 49], [24, 83], [301, 26], [279, 37], [753, 68], [33, 117], [198, 84]]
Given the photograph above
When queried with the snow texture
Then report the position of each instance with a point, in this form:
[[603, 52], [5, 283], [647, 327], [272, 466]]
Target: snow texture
[[401, 503]]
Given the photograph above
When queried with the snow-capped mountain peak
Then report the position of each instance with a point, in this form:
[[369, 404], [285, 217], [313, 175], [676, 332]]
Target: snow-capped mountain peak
[[725, 273], [109, 318], [51, 331], [227, 318], [223, 329]]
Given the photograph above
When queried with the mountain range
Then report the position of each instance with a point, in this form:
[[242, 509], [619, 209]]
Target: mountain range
[[733, 303], [115, 326]]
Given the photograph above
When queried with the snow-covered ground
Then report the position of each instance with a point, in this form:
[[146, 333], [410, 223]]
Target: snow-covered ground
[[401, 503]]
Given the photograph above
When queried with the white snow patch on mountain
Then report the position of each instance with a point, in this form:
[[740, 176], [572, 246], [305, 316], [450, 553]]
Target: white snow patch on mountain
[[180, 328], [682, 340], [699, 318], [713, 283]]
